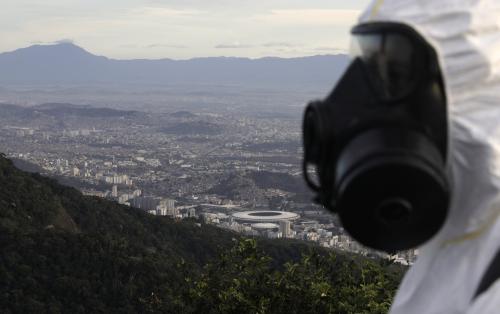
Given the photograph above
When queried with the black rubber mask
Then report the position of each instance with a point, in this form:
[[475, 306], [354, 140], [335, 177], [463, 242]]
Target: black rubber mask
[[378, 142]]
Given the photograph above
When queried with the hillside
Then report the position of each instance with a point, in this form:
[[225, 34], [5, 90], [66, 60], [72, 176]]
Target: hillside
[[67, 253]]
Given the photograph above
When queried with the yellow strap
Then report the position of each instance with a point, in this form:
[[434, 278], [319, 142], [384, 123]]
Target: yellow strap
[[476, 233], [376, 8]]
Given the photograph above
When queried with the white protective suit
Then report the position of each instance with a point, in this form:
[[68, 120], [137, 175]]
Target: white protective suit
[[466, 37]]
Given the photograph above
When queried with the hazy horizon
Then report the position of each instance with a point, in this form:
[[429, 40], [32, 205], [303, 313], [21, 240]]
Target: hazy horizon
[[181, 30], [57, 43]]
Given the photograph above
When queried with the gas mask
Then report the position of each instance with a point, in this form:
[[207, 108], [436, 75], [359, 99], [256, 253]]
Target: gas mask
[[378, 142]]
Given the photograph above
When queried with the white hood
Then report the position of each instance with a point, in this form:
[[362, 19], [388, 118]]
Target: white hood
[[466, 36]]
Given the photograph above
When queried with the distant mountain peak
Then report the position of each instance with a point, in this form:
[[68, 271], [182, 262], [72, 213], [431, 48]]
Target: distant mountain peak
[[66, 46], [65, 50]]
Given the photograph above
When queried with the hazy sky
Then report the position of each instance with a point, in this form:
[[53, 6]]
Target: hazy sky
[[182, 29]]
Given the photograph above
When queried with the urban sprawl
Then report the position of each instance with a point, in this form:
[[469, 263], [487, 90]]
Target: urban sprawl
[[240, 173]]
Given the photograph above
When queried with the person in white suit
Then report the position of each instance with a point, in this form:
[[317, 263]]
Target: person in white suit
[[407, 148], [450, 273]]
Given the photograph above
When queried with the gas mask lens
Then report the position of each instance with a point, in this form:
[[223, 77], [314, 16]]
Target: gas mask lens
[[389, 59]]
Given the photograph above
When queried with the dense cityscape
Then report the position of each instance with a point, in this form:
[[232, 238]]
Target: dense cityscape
[[214, 167]]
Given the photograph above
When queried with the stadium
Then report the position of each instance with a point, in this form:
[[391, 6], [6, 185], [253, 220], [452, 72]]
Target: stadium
[[264, 216]]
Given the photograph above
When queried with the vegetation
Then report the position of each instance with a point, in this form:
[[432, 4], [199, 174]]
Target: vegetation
[[242, 281], [63, 252]]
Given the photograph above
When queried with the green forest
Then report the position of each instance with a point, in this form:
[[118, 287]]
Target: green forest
[[62, 252]]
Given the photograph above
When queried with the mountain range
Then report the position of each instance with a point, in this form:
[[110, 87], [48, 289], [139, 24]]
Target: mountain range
[[66, 63]]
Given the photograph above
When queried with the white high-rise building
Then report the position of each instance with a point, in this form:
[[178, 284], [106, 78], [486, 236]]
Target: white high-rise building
[[167, 208], [146, 203], [285, 228]]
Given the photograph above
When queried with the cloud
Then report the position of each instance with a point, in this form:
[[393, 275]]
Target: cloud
[[235, 45], [64, 41], [166, 46], [311, 17], [280, 45], [56, 42], [330, 49], [129, 46], [256, 6], [162, 12]]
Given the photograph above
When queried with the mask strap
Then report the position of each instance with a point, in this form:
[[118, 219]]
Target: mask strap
[[476, 233], [376, 8]]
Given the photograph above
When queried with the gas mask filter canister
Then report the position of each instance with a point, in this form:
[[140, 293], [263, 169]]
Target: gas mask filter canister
[[378, 142]]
